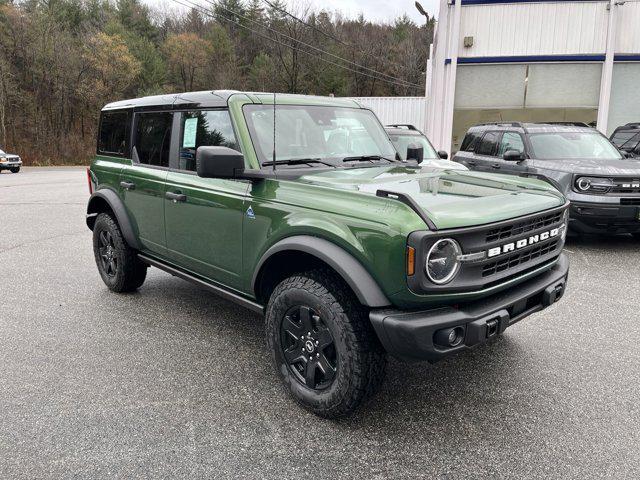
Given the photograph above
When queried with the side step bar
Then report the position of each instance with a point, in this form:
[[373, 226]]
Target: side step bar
[[220, 291]]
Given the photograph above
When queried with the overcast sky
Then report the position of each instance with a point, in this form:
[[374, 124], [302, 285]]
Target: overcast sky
[[374, 10]]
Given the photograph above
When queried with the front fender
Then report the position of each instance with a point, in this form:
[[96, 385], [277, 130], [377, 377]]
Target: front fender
[[350, 269]]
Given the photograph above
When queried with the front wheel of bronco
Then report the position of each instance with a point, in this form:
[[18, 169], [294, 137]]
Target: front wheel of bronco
[[323, 346], [118, 264], [15, 170]]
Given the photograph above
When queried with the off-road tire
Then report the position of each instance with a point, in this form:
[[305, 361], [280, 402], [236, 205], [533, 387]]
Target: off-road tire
[[15, 170], [361, 360], [129, 272]]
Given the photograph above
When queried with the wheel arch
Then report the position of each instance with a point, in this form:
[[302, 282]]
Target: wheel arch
[[107, 201], [283, 258]]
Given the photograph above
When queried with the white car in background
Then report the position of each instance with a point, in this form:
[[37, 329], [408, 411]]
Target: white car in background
[[10, 162], [406, 136]]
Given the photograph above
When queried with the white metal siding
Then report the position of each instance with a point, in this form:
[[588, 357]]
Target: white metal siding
[[570, 28], [391, 110], [628, 31]]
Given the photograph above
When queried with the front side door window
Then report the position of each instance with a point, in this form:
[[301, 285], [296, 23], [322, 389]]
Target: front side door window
[[211, 128], [510, 141]]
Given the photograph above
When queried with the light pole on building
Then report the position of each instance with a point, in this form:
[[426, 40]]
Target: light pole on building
[[423, 12]]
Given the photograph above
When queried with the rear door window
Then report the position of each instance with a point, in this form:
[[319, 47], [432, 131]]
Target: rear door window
[[489, 144], [470, 141], [153, 138]]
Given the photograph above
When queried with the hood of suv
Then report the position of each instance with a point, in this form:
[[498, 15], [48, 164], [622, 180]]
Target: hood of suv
[[621, 167], [451, 198]]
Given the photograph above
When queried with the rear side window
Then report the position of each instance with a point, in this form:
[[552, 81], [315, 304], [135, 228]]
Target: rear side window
[[153, 138], [113, 138], [210, 128], [488, 144]]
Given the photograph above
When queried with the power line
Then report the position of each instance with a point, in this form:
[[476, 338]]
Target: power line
[[328, 35], [208, 13], [324, 52]]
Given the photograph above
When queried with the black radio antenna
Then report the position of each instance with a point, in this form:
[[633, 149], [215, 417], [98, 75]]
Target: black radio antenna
[[274, 132]]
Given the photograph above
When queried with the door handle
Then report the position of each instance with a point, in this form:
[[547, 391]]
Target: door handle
[[471, 163], [495, 165], [176, 197], [128, 185]]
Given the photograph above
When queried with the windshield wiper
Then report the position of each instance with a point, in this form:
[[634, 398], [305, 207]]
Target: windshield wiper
[[366, 158], [297, 161]]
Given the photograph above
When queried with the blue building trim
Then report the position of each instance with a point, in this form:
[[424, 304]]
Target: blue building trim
[[626, 58]]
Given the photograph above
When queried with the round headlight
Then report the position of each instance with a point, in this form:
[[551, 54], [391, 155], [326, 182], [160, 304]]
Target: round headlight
[[442, 261], [583, 184]]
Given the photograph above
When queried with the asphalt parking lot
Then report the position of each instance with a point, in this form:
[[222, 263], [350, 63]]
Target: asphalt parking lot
[[173, 382]]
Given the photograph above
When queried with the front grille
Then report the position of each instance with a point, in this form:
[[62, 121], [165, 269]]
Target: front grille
[[518, 259], [521, 228], [626, 185], [482, 271]]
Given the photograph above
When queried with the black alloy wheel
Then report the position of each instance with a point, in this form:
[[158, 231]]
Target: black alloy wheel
[[308, 348], [108, 256], [118, 264]]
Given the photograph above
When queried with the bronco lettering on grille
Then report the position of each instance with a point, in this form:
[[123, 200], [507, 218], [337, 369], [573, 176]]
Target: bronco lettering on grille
[[524, 242]]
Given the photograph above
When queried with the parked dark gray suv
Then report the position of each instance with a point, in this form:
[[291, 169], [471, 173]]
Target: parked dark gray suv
[[627, 139], [602, 185]]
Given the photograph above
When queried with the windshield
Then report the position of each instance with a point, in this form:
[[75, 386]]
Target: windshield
[[2, 152], [315, 132], [402, 142], [572, 145]]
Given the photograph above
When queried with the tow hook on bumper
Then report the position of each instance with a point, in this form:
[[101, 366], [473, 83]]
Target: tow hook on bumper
[[435, 334]]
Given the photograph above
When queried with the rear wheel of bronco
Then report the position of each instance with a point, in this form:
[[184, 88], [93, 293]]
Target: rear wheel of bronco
[[118, 264], [323, 346], [15, 170]]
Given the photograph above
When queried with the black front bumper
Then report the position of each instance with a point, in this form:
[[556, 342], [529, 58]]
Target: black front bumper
[[604, 218], [409, 335]]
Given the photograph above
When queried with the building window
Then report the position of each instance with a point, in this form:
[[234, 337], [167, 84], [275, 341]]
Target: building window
[[624, 106]]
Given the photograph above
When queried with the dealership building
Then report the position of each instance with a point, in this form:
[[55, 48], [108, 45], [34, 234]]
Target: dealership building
[[519, 60]]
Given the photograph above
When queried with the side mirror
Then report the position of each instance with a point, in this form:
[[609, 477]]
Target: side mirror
[[513, 156], [443, 155], [414, 152], [219, 162]]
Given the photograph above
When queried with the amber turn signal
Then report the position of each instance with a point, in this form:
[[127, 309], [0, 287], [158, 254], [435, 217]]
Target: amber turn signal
[[411, 261]]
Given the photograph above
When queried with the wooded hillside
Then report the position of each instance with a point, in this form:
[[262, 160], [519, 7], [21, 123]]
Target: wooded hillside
[[62, 60]]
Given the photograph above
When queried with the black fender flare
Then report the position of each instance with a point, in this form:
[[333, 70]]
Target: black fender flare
[[116, 205], [350, 269]]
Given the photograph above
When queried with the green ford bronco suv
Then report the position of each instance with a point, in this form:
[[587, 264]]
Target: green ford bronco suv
[[348, 251]]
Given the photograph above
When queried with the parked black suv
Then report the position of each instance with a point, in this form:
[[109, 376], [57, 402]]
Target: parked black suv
[[627, 138], [602, 185]]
